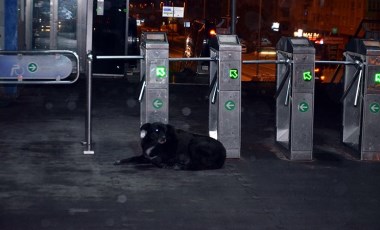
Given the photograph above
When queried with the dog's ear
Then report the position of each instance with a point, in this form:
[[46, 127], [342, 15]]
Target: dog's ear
[[144, 130]]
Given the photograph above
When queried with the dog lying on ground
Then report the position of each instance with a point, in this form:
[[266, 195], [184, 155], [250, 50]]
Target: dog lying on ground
[[167, 147]]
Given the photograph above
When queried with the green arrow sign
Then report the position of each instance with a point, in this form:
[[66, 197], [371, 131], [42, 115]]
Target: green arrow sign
[[374, 107], [229, 105], [303, 107], [32, 67], [377, 78], [157, 103], [234, 74], [161, 71], [307, 76]]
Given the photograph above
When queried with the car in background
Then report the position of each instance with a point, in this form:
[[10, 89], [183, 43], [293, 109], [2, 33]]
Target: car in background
[[198, 44]]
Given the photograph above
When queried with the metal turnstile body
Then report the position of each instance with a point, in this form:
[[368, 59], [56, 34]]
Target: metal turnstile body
[[361, 116], [295, 97], [154, 77], [225, 100]]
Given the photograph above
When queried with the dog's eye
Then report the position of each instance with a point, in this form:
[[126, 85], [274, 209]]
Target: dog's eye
[[157, 130]]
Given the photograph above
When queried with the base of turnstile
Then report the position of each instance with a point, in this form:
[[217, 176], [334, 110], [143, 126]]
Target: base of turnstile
[[301, 155], [295, 155], [233, 153], [370, 156]]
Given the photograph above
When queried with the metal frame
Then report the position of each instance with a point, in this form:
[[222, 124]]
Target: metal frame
[[50, 82]]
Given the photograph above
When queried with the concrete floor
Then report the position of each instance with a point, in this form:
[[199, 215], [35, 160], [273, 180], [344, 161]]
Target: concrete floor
[[47, 183]]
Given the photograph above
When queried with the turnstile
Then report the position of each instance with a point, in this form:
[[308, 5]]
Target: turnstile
[[225, 100], [154, 95], [295, 97], [361, 104]]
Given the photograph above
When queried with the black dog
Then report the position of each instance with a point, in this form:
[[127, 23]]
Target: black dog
[[167, 147]]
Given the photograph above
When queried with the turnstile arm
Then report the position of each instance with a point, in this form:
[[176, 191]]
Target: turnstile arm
[[286, 76], [142, 88], [288, 92], [356, 76], [213, 89], [358, 87]]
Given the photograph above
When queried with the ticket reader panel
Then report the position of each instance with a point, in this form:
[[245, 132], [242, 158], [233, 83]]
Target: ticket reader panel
[[225, 100], [154, 78], [362, 103], [295, 97]]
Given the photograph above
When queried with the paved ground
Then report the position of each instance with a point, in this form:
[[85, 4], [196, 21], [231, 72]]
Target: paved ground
[[47, 183]]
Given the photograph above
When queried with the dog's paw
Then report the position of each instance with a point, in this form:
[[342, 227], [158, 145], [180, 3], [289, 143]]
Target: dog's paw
[[117, 162]]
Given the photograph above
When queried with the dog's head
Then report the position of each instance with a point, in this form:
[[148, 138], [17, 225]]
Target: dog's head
[[154, 133]]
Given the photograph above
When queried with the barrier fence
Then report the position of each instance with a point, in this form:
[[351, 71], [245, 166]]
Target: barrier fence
[[295, 88]]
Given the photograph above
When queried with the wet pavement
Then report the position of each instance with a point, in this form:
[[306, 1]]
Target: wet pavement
[[47, 183]]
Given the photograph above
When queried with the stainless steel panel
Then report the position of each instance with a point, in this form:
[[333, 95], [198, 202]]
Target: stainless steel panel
[[153, 79], [227, 82], [299, 83], [229, 120], [155, 107], [302, 124], [370, 138]]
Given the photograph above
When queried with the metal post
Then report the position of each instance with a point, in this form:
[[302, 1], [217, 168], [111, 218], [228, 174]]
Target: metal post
[[233, 17], [361, 99], [224, 108], [295, 103], [154, 78], [88, 142]]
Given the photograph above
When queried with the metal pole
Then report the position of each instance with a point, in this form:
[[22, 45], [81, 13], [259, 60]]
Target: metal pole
[[126, 34], [259, 38], [233, 16], [88, 141]]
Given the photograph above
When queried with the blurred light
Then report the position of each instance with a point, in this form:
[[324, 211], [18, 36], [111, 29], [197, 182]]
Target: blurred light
[[276, 26], [319, 42], [298, 33], [212, 32], [316, 70], [268, 52], [323, 78]]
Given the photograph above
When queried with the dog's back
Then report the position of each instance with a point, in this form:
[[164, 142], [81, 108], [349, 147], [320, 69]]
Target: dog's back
[[204, 152]]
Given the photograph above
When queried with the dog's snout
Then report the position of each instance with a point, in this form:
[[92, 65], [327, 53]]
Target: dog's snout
[[162, 140]]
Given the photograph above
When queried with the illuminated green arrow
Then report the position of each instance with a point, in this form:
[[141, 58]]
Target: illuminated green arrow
[[377, 78], [307, 76], [303, 107], [230, 105], [32, 67], [161, 71], [374, 107], [234, 73], [157, 103]]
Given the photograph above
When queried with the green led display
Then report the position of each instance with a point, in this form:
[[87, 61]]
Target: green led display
[[161, 71], [234, 74], [307, 76], [377, 78]]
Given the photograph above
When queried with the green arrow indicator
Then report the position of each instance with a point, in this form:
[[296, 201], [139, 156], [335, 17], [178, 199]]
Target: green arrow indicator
[[161, 71], [307, 76], [32, 67], [303, 107], [234, 74], [157, 103], [374, 107], [377, 78], [229, 105]]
